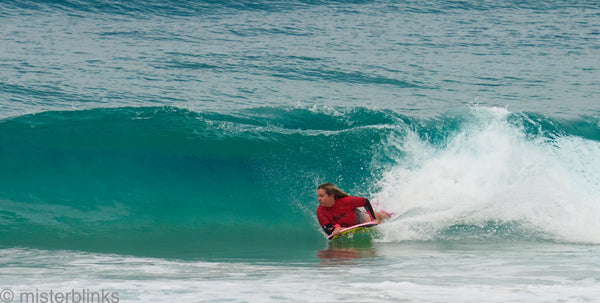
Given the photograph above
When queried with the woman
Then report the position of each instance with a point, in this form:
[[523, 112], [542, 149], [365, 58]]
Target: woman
[[337, 209]]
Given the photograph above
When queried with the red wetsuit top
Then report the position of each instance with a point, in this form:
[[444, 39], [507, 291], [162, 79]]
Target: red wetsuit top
[[342, 212]]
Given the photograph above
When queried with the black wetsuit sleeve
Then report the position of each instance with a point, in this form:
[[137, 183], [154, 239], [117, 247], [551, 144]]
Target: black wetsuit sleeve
[[369, 208], [328, 228]]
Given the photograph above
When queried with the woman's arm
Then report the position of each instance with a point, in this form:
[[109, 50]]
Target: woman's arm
[[332, 228], [369, 208]]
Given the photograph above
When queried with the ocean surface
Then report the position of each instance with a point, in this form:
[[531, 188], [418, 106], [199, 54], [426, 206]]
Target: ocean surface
[[169, 151]]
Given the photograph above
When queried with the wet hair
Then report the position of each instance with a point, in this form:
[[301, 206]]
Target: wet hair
[[331, 189]]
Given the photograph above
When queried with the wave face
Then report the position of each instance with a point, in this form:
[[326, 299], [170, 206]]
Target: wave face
[[173, 182], [135, 177]]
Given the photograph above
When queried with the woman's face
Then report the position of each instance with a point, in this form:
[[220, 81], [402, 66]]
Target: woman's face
[[325, 199]]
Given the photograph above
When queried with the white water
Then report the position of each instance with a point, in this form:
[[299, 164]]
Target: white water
[[433, 272], [491, 171]]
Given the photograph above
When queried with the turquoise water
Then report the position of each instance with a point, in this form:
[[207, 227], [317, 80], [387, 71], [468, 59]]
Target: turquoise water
[[170, 151]]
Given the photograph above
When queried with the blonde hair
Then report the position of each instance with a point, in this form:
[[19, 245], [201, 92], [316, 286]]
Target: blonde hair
[[331, 189]]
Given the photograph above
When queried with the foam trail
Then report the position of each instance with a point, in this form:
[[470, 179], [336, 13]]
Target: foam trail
[[490, 178]]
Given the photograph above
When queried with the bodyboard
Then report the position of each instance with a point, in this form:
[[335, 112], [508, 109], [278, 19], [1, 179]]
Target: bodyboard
[[349, 232]]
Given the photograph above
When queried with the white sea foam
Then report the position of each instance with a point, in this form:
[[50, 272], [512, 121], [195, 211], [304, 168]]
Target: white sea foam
[[491, 171], [401, 273]]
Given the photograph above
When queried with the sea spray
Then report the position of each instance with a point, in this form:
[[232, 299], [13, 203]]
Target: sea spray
[[491, 178]]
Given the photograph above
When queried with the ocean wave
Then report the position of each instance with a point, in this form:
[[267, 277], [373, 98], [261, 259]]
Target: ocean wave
[[135, 177], [188, 8]]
